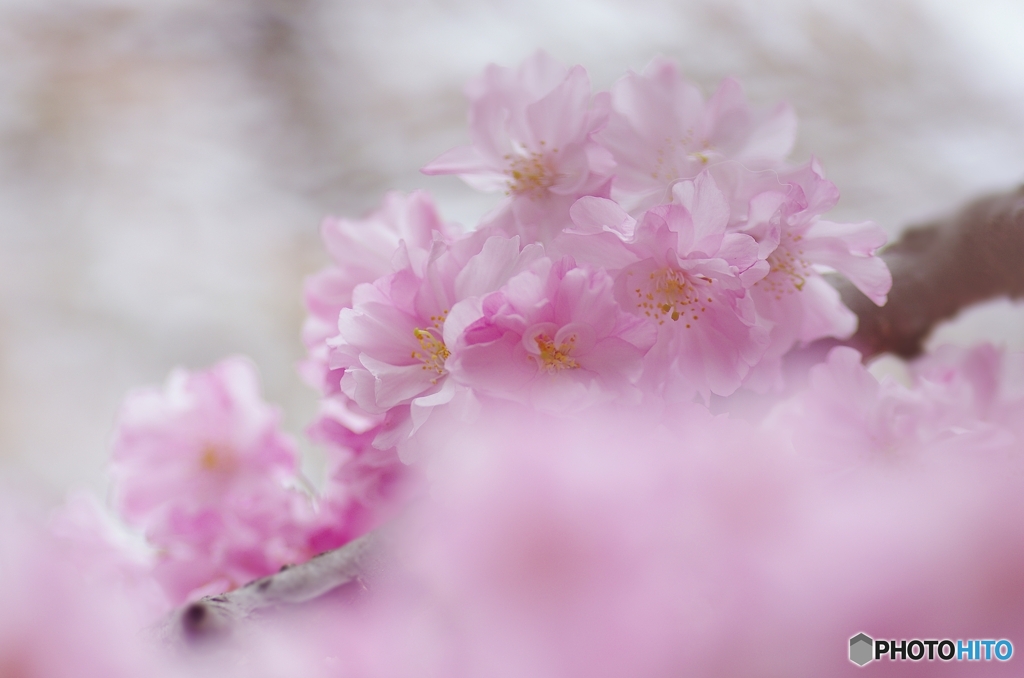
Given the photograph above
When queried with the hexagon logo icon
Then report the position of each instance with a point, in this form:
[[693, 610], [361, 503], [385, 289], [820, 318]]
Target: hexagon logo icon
[[861, 646]]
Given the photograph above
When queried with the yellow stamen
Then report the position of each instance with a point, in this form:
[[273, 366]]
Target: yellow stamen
[[434, 352], [555, 359], [529, 175], [671, 294], [789, 270], [216, 458]]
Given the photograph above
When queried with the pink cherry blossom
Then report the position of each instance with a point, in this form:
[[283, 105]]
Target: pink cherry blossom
[[555, 337], [517, 410], [846, 416], [531, 130], [847, 248], [784, 216], [361, 251], [661, 130], [202, 469], [845, 410], [689, 277], [983, 384], [394, 342]]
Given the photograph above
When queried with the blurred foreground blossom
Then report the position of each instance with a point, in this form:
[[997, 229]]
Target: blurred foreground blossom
[[55, 621], [202, 469], [608, 544]]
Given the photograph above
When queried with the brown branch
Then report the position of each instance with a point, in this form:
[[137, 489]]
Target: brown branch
[[213, 616], [940, 268]]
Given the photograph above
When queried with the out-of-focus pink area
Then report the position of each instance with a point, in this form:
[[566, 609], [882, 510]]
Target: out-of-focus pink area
[[618, 542], [204, 481], [164, 166], [612, 544], [616, 545], [202, 470]]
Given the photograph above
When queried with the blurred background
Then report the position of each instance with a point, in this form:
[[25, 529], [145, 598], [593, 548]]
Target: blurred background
[[165, 164]]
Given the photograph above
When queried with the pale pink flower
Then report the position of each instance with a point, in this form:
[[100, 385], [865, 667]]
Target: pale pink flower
[[981, 383], [555, 337], [394, 342], [661, 130], [531, 130], [361, 251], [846, 416], [866, 549], [202, 468], [807, 241], [689, 277], [800, 306], [846, 411], [985, 380]]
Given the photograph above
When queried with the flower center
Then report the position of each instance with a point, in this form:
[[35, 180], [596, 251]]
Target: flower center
[[681, 157], [217, 459], [556, 358], [788, 272], [670, 293], [433, 353], [529, 174]]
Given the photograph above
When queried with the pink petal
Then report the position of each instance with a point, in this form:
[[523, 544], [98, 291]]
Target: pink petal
[[771, 140], [556, 120], [594, 215], [869, 274], [472, 166]]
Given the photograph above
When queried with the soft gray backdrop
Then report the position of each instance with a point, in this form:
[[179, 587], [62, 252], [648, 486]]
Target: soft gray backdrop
[[165, 163]]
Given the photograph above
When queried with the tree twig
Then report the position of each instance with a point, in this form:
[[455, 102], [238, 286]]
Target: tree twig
[[214, 615]]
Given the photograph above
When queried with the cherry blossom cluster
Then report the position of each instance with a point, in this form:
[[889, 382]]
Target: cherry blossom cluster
[[525, 407], [651, 247]]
